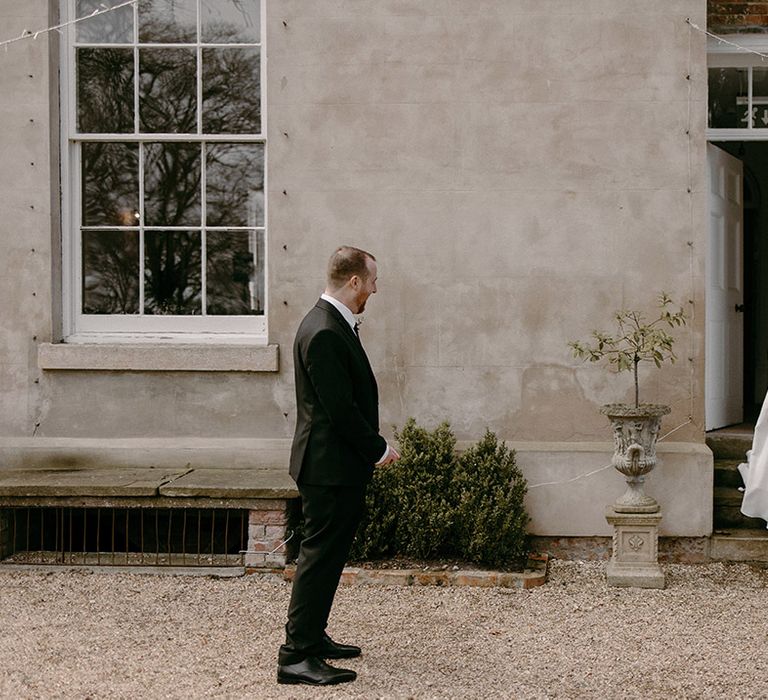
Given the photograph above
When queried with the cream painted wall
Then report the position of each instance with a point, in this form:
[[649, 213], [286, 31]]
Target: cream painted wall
[[520, 169], [27, 186]]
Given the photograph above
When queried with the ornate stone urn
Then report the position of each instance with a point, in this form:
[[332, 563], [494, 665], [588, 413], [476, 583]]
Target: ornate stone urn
[[635, 517], [635, 430]]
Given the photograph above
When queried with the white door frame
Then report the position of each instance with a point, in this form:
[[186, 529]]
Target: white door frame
[[724, 353], [728, 55]]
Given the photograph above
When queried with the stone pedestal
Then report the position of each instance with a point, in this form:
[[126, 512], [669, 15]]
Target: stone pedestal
[[634, 561]]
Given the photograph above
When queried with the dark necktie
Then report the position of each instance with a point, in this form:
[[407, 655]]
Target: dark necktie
[[357, 329]]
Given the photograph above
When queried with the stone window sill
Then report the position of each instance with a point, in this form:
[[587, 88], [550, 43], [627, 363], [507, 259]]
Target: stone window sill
[[157, 357]]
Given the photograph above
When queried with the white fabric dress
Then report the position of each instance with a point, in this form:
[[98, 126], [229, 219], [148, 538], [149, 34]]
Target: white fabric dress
[[755, 470]]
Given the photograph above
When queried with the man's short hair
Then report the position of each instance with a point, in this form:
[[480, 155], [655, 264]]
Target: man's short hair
[[345, 263]]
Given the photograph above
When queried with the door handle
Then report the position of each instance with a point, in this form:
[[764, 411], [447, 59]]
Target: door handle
[[739, 308]]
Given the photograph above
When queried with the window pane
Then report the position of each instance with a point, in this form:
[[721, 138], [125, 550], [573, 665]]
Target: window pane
[[727, 98], [234, 184], [168, 21], [168, 91], [172, 272], [172, 184], [760, 98], [110, 184], [235, 272], [110, 272], [154, 265], [105, 90], [231, 91], [231, 21], [108, 28]]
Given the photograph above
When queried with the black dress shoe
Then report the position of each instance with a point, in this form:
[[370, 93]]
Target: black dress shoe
[[313, 671], [332, 650]]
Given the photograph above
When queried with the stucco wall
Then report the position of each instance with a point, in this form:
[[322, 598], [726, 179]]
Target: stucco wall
[[28, 184], [682, 483], [520, 169]]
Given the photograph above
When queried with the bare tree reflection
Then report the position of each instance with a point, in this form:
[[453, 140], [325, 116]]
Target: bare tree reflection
[[106, 28], [172, 198], [230, 21], [234, 271], [110, 272], [167, 21], [168, 91], [228, 109], [172, 272], [234, 184], [110, 184], [172, 185], [105, 91], [173, 175]]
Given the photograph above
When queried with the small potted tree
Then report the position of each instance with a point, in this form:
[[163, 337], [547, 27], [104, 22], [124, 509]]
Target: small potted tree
[[635, 426]]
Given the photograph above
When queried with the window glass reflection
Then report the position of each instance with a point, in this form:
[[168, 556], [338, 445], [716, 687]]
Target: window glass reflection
[[110, 272], [172, 184], [235, 272], [144, 267], [234, 184], [105, 91], [168, 91], [114, 27], [168, 21], [110, 184], [231, 21], [728, 92], [172, 273], [231, 91], [759, 98]]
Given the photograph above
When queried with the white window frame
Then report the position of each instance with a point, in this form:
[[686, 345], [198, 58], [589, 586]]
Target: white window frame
[[725, 55], [109, 328]]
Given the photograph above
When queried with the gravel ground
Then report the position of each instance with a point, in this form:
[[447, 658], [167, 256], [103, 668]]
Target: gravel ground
[[94, 635]]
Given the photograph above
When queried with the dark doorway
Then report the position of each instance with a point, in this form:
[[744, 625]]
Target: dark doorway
[[754, 155]]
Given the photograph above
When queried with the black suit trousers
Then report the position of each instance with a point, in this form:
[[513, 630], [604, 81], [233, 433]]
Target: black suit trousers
[[331, 516]]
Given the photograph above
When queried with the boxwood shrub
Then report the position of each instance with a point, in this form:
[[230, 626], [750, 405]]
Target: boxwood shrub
[[434, 503]]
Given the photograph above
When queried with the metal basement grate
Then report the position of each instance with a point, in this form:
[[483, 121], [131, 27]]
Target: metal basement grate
[[106, 536]]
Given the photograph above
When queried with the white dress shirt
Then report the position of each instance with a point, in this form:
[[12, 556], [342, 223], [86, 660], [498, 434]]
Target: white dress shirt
[[344, 310]]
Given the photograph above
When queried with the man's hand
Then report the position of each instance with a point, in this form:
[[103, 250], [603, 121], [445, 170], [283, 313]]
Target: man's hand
[[392, 455]]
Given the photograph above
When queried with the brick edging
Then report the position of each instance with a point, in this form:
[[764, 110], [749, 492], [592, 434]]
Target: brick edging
[[535, 574]]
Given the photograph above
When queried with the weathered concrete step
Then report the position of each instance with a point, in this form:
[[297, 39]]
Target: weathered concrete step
[[727, 473], [740, 545], [121, 482], [726, 511], [730, 445], [727, 496], [726, 517]]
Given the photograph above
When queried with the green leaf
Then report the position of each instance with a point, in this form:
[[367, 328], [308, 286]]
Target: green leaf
[[637, 339]]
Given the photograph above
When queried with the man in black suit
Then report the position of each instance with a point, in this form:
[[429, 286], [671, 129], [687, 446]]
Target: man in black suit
[[335, 448]]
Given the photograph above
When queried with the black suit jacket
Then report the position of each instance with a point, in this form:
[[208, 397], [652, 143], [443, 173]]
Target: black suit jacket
[[337, 439]]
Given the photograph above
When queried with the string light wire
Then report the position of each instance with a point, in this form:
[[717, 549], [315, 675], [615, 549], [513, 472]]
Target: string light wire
[[722, 40], [104, 9], [266, 554]]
